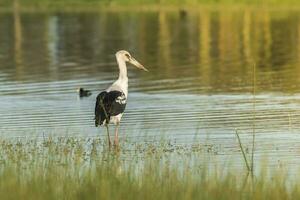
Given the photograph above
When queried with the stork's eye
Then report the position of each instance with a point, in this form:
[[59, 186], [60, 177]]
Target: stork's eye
[[127, 55]]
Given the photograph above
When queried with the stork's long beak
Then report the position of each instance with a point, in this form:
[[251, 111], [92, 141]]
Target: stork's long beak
[[137, 64]]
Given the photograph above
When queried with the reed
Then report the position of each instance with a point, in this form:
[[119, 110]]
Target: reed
[[250, 168], [254, 115]]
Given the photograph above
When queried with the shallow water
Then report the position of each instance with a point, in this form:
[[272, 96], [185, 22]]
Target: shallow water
[[199, 87]]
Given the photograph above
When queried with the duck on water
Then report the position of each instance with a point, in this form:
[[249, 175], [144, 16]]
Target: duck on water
[[83, 92]]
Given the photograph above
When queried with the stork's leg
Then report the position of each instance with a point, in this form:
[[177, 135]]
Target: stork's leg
[[116, 141], [107, 129]]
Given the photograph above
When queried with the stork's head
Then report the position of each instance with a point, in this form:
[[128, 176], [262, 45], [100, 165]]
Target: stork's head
[[125, 56]]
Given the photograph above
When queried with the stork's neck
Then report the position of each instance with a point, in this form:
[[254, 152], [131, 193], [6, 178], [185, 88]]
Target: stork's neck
[[122, 70]]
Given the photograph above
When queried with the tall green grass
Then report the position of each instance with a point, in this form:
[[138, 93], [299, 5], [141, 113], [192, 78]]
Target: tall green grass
[[72, 168], [171, 2], [136, 3]]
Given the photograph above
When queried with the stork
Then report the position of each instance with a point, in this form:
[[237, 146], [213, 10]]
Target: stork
[[111, 103]]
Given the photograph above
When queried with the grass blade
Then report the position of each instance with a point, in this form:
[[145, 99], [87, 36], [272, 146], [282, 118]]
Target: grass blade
[[242, 149]]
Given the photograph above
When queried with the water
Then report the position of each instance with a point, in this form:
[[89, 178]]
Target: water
[[199, 86]]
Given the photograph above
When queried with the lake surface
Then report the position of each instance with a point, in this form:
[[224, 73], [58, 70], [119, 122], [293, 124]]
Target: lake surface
[[199, 86]]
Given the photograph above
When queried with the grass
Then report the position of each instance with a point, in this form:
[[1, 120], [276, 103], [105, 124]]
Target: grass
[[73, 168], [161, 2], [250, 169], [144, 4]]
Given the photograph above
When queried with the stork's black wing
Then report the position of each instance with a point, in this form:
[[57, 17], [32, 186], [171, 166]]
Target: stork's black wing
[[109, 104]]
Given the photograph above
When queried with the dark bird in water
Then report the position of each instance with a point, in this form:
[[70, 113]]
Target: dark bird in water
[[182, 13], [111, 103], [84, 93]]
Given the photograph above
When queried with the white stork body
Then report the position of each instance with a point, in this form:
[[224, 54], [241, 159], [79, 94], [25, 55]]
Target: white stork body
[[111, 103]]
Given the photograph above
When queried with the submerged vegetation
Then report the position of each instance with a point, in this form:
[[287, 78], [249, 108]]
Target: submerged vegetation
[[72, 168]]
